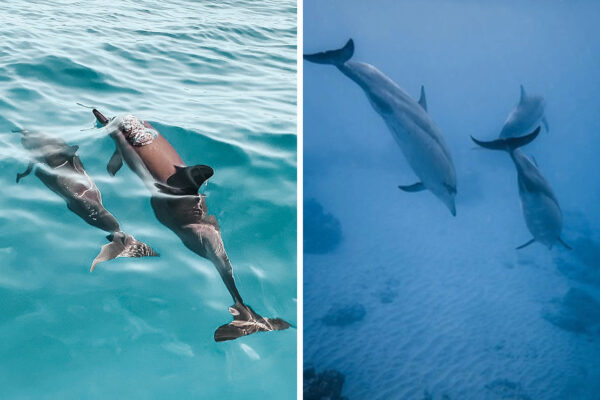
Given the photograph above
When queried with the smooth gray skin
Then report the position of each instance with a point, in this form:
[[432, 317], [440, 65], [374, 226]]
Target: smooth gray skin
[[411, 126], [61, 170], [527, 115], [187, 216], [541, 210]]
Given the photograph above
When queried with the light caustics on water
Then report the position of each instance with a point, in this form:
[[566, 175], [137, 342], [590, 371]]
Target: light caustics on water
[[219, 80]]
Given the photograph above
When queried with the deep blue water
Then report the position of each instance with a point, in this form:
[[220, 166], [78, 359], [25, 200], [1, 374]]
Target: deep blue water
[[442, 307], [218, 79]]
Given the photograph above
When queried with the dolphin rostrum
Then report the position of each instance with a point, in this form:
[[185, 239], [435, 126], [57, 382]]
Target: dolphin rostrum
[[408, 120], [177, 205], [525, 117], [61, 170], [541, 210]]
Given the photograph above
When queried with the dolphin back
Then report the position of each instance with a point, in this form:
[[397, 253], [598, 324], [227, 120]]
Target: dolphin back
[[335, 57]]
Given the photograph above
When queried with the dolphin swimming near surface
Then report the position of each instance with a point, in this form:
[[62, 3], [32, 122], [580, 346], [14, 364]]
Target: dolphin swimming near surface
[[61, 170], [541, 210], [525, 117], [408, 120], [177, 205]]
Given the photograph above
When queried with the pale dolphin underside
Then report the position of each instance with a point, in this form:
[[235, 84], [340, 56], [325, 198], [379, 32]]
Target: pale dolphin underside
[[541, 210], [408, 121]]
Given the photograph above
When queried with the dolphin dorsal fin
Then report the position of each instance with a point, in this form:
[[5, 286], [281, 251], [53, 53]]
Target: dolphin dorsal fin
[[523, 94], [189, 179], [422, 99]]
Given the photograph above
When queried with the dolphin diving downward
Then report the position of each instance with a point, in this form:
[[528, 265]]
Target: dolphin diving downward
[[411, 126], [178, 206], [525, 117], [541, 210], [61, 170]]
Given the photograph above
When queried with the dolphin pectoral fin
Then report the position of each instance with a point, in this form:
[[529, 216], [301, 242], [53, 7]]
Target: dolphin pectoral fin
[[189, 179], [22, 175], [115, 163], [545, 123], [122, 245], [422, 99], [335, 57], [415, 187], [526, 244], [561, 241], [246, 322]]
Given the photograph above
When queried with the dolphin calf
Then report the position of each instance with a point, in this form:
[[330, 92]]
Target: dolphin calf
[[525, 117], [61, 170], [177, 205], [411, 126], [541, 210]]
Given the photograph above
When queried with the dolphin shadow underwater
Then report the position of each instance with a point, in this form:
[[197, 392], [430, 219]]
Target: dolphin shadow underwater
[[178, 205], [60, 169], [541, 210], [408, 121]]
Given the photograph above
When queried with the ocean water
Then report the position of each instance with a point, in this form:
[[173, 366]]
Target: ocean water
[[218, 80], [406, 301]]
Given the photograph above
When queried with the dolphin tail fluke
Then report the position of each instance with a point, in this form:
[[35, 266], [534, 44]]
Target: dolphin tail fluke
[[246, 322], [122, 245], [508, 144], [335, 57]]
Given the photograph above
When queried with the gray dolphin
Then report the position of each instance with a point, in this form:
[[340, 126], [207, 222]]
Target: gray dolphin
[[541, 210], [411, 126], [178, 206], [525, 117], [61, 170]]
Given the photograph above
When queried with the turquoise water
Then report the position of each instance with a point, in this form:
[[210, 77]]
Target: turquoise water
[[218, 79]]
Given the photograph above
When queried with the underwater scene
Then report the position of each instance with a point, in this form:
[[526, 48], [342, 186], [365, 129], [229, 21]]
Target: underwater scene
[[148, 170], [451, 192]]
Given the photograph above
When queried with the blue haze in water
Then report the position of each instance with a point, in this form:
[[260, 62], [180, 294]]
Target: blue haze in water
[[218, 79], [452, 310]]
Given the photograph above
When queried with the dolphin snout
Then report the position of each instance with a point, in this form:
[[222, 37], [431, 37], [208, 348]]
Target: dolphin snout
[[452, 208]]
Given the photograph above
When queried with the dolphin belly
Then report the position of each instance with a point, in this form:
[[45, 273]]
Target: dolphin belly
[[542, 216]]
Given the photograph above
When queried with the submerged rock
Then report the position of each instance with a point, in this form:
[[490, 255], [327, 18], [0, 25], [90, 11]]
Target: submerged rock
[[343, 315], [577, 312], [322, 231], [505, 389], [326, 385]]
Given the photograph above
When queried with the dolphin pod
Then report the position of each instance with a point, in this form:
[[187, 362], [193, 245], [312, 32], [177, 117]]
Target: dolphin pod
[[60, 169], [409, 122], [177, 205]]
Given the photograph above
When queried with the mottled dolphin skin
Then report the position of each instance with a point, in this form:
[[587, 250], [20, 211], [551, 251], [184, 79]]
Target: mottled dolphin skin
[[525, 117], [61, 170], [411, 126], [541, 210], [178, 206]]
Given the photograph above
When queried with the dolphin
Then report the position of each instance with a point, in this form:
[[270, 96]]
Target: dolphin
[[408, 120], [526, 116], [541, 210], [177, 205], [60, 169]]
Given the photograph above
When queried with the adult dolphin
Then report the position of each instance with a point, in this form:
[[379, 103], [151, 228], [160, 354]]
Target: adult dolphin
[[525, 116], [178, 206], [60, 169], [541, 210], [411, 126]]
